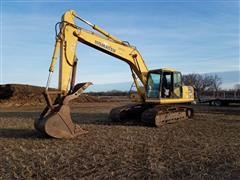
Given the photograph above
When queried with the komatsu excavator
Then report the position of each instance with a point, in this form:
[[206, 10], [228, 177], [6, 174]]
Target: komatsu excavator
[[161, 90]]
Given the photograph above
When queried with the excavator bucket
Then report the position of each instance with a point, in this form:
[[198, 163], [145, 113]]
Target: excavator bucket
[[55, 120]]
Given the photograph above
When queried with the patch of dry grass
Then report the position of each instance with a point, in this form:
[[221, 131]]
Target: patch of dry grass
[[206, 147]]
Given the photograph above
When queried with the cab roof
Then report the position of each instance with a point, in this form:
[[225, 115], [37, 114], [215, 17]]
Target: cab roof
[[163, 69]]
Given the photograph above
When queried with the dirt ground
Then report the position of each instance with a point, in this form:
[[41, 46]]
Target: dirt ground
[[206, 147]]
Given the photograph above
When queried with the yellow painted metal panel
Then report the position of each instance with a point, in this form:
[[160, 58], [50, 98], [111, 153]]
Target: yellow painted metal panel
[[124, 52], [67, 52], [188, 96]]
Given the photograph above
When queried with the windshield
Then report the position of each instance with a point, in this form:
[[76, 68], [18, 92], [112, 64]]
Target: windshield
[[153, 85]]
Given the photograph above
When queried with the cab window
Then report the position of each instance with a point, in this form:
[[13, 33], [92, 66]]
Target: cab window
[[153, 85], [177, 85], [166, 84]]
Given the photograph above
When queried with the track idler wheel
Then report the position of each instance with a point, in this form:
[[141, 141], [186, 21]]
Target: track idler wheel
[[127, 112]]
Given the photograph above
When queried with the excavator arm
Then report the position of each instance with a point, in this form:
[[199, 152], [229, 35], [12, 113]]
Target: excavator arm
[[69, 36], [55, 120]]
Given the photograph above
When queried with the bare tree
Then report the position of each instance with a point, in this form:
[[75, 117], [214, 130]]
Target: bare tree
[[216, 83], [237, 87], [202, 83], [194, 80]]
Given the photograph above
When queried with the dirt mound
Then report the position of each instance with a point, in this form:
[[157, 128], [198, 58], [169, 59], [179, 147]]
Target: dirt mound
[[27, 95], [18, 95]]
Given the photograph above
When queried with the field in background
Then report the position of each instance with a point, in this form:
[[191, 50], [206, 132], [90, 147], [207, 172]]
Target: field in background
[[206, 147]]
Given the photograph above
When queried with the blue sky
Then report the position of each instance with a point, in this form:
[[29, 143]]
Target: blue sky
[[190, 36]]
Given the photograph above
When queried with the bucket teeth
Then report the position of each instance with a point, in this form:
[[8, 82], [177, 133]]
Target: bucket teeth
[[55, 120], [59, 124]]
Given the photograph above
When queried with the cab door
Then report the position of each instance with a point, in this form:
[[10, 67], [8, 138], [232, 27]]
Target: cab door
[[153, 85], [171, 85], [177, 85]]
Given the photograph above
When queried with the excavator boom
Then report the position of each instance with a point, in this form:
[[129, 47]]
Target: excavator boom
[[56, 121], [70, 34]]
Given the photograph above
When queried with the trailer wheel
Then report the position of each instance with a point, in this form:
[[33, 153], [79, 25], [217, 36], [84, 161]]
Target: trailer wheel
[[218, 103], [211, 103]]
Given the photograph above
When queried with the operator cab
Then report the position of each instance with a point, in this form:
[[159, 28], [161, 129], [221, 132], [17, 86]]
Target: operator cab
[[164, 84]]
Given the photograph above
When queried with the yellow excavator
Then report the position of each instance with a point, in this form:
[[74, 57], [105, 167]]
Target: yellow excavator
[[161, 91]]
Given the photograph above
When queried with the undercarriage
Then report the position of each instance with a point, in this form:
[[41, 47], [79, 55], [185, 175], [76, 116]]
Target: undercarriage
[[151, 114]]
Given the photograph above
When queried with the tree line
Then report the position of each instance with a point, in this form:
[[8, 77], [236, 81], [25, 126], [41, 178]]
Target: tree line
[[203, 83], [206, 83]]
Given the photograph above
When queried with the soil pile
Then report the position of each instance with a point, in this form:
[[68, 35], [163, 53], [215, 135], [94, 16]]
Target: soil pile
[[19, 95], [27, 95]]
